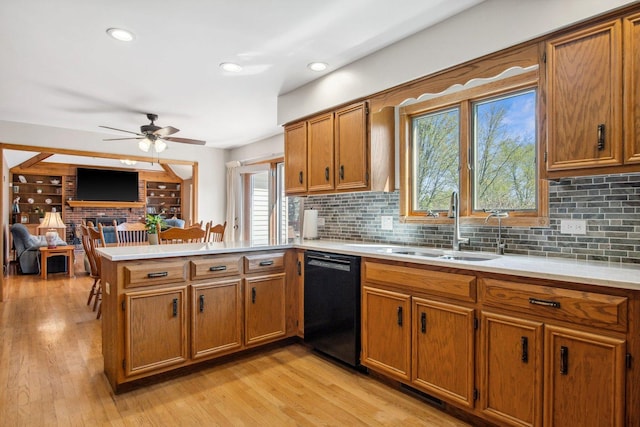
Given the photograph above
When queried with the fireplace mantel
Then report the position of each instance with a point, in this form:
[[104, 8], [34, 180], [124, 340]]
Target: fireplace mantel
[[99, 204]]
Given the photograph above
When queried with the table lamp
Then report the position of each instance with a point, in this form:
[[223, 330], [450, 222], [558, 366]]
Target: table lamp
[[52, 222]]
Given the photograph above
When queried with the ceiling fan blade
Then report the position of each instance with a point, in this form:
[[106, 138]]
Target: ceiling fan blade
[[122, 139], [165, 131], [121, 130], [186, 140]]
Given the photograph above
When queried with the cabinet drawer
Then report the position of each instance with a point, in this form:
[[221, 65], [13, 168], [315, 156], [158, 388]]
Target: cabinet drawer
[[453, 285], [154, 273], [264, 262], [587, 308], [208, 267]]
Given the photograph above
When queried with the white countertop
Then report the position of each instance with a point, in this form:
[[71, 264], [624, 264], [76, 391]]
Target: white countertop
[[617, 275]]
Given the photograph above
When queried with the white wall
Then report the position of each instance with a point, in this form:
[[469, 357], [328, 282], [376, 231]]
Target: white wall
[[211, 169], [488, 27], [268, 148]]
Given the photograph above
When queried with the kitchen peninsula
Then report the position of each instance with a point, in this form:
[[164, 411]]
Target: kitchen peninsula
[[575, 325]]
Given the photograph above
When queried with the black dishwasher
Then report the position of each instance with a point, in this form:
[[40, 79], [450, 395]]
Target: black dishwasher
[[332, 305]]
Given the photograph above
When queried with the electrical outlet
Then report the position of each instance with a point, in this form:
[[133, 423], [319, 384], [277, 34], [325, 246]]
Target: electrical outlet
[[386, 222], [320, 222], [573, 226]]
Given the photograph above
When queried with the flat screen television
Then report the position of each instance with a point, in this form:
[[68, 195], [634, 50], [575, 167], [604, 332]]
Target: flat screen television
[[106, 185]]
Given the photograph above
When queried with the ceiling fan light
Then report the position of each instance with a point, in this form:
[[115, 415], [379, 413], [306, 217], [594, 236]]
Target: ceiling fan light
[[160, 146], [144, 145], [120, 34], [128, 162]]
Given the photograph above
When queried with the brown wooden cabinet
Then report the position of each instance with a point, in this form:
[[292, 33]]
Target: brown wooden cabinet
[[443, 350], [386, 332], [295, 158], [344, 149], [165, 313], [155, 329], [584, 379], [216, 317], [584, 117], [265, 318], [320, 153], [631, 52], [592, 91], [511, 369]]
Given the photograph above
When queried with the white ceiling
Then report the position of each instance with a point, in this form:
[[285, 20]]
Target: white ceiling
[[59, 67]]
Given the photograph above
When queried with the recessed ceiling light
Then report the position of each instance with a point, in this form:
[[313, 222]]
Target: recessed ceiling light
[[317, 66], [120, 34], [231, 67]]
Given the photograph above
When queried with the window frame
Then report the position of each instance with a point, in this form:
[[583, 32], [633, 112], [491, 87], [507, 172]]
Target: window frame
[[273, 198], [463, 100]]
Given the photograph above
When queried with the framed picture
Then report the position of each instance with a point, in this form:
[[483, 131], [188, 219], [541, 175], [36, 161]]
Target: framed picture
[[24, 218]]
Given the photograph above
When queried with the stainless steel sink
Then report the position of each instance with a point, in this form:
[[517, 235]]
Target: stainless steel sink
[[446, 255]]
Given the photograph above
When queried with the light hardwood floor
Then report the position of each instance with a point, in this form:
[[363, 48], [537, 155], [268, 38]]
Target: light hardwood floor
[[51, 374]]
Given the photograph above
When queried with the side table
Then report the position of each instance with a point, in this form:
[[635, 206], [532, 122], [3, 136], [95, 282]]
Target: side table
[[46, 252]]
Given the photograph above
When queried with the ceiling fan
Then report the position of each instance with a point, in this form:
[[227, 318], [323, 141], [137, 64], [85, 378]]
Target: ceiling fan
[[154, 136]]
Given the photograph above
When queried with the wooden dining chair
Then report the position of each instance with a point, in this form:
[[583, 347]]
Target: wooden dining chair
[[93, 269], [131, 233], [96, 240], [181, 235], [215, 233]]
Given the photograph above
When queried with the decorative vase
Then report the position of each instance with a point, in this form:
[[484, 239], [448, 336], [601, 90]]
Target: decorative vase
[[153, 238], [51, 236]]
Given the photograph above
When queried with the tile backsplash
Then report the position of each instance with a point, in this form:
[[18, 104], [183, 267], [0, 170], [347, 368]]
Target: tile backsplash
[[609, 204]]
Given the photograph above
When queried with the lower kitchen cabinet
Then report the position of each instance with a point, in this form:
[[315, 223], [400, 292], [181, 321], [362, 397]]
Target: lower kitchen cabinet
[[386, 332], [443, 362], [155, 332], [216, 317], [511, 369], [584, 379], [265, 308]]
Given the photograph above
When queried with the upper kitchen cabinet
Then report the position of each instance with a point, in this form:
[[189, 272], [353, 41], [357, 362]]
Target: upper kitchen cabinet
[[584, 93], [295, 158], [346, 150], [631, 30]]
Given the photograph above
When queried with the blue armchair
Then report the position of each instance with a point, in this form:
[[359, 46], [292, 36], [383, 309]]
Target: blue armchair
[[28, 251]]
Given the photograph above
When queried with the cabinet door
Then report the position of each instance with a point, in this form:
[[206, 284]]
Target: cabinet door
[[443, 350], [265, 308], [295, 158], [584, 118], [632, 88], [584, 379], [351, 146], [511, 370], [155, 329], [320, 153], [216, 317], [386, 332]]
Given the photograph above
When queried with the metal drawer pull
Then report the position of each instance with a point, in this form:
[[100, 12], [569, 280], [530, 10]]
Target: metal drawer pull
[[341, 171], [266, 263], [524, 341], [300, 177], [326, 173], [543, 302], [399, 316], [175, 307], [156, 275], [201, 303], [601, 136], [253, 295], [564, 360], [423, 323], [218, 268]]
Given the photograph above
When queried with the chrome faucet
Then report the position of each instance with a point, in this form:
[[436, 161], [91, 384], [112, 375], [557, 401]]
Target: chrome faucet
[[497, 213], [454, 212]]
